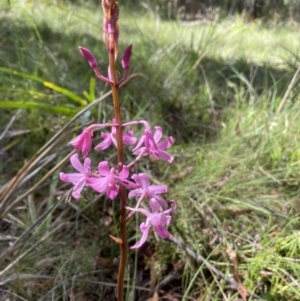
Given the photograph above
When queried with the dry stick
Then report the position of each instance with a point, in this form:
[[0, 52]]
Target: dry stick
[[46, 148], [11, 121], [122, 190], [43, 163], [287, 92], [231, 281]]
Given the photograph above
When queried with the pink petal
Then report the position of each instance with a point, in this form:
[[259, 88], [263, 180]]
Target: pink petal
[[105, 143], [128, 138], [168, 219], [140, 143], [124, 173], [76, 164], [87, 144], [64, 177], [165, 143], [158, 133], [145, 230], [162, 231], [173, 208], [156, 189], [127, 183], [141, 210], [151, 144], [78, 188], [87, 165], [135, 192], [142, 179], [112, 192], [154, 205], [78, 141], [113, 128], [104, 169], [70, 177], [161, 201], [98, 184], [165, 156], [140, 150]]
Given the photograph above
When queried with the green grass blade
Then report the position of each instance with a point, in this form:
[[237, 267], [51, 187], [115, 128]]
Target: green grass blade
[[65, 92], [92, 88], [47, 84], [34, 105]]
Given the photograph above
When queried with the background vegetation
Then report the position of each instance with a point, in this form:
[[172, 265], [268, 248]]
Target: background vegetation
[[222, 81]]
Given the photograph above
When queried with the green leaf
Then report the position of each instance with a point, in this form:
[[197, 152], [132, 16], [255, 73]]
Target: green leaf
[[92, 88], [47, 84], [65, 92], [87, 96], [34, 105], [91, 95]]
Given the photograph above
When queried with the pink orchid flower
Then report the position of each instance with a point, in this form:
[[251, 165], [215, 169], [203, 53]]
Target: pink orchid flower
[[83, 142], [153, 146], [158, 220], [110, 138], [79, 180], [147, 190], [107, 180]]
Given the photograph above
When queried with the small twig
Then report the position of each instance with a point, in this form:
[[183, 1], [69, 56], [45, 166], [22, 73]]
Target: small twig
[[174, 275], [8, 238], [287, 92], [12, 120]]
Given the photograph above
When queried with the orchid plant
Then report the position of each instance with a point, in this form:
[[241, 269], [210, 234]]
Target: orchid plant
[[115, 180]]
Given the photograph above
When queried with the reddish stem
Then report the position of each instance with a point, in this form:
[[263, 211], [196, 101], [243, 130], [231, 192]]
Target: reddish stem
[[122, 191]]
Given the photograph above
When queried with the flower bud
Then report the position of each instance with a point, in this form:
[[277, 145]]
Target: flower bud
[[89, 57], [126, 57]]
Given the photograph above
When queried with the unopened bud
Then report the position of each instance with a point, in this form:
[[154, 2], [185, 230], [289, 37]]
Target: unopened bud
[[89, 57], [126, 57]]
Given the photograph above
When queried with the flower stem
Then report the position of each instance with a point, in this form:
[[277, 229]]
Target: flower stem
[[122, 191]]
